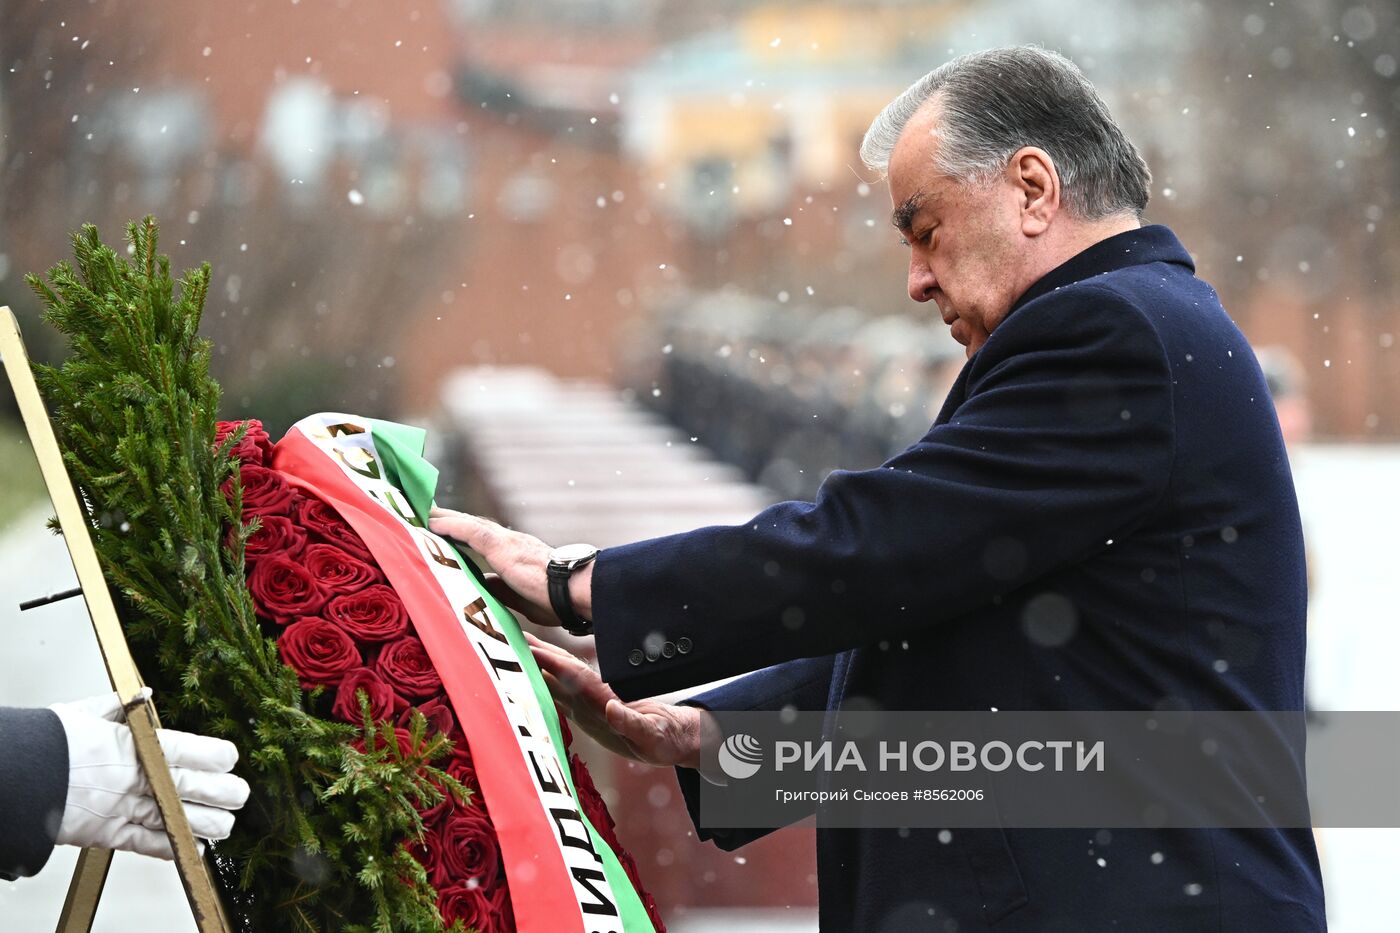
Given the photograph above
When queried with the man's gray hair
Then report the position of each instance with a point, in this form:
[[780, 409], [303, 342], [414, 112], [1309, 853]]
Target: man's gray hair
[[995, 102]]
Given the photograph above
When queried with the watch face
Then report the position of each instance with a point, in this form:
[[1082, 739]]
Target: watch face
[[572, 552]]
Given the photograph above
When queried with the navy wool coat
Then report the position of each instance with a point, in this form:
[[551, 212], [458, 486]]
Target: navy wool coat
[[33, 788], [1109, 461]]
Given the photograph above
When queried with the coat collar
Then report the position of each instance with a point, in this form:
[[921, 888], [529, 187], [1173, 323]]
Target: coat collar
[[1153, 243]]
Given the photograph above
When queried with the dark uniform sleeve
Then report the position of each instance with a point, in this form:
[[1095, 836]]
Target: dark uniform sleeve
[[1063, 442], [33, 788]]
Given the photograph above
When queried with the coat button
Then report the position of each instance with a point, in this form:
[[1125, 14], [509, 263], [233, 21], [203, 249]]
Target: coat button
[[683, 645], [652, 652], [668, 650], [634, 657]]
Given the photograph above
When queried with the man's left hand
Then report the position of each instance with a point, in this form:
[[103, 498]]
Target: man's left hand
[[521, 581], [646, 730]]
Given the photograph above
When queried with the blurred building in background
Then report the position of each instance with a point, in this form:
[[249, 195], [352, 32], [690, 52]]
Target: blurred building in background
[[388, 191], [666, 196]]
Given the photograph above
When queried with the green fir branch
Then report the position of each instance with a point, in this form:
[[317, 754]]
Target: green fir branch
[[320, 844]]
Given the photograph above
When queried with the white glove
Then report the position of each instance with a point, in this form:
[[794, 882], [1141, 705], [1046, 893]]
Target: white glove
[[110, 805]]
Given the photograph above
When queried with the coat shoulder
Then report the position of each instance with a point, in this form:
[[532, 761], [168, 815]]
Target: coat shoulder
[[1087, 323]]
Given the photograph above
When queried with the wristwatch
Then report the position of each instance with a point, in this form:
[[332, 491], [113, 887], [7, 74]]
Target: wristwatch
[[563, 561]]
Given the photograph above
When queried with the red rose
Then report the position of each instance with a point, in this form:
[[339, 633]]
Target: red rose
[[284, 590], [459, 763], [505, 911], [325, 524], [598, 817], [449, 802], [439, 715], [591, 802], [465, 850], [338, 571], [383, 701], [462, 770], [564, 729], [418, 850], [461, 751], [583, 779], [653, 912], [401, 737], [277, 535], [465, 775], [432, 814], [265, 492], [374, 614], [255, 447], [405, 666], [318, 651], [629, 866], [471, 906]]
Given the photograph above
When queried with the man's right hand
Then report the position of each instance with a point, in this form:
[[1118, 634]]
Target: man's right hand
[[647, 731]]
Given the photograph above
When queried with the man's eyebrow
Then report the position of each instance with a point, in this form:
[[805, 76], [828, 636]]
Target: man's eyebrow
[[903, 215]]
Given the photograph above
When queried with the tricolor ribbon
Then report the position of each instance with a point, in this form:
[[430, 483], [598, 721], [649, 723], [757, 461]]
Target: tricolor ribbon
[[563, 877]]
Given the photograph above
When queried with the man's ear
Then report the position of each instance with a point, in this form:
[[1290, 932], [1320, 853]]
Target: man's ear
[[1032, 173]]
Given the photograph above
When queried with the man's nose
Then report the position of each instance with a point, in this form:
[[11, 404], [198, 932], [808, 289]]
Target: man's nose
[[921, 280]]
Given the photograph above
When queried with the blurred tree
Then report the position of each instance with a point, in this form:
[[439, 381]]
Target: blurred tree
[[308, 288]]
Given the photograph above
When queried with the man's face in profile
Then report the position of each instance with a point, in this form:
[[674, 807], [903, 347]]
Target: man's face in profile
[[965, 240]]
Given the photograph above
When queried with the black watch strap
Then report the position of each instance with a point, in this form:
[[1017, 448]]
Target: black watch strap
[[562, 603]]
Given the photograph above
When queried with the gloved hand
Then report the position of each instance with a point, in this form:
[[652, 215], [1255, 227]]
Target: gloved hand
[[110, 804]]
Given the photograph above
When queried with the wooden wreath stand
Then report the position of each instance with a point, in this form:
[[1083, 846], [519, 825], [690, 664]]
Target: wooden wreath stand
[[90, 875]]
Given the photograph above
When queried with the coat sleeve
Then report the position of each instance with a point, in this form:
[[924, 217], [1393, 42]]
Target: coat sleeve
[[1063, 442], [33, 788], [802, 684]]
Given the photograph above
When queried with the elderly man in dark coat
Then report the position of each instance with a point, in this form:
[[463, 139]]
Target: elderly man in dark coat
[[1101, 517]]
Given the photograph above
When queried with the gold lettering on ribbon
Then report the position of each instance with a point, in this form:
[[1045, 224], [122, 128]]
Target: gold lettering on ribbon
[[335, 430], [390, 497], [370, 469], [328, 431], [437, 553], [478, 614]]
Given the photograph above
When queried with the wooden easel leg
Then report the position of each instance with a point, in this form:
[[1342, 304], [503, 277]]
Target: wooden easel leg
[[209, 915], [91, 872], [84, 892]]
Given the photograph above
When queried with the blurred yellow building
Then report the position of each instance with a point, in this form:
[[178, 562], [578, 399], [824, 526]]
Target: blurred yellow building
[[728, 122]]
